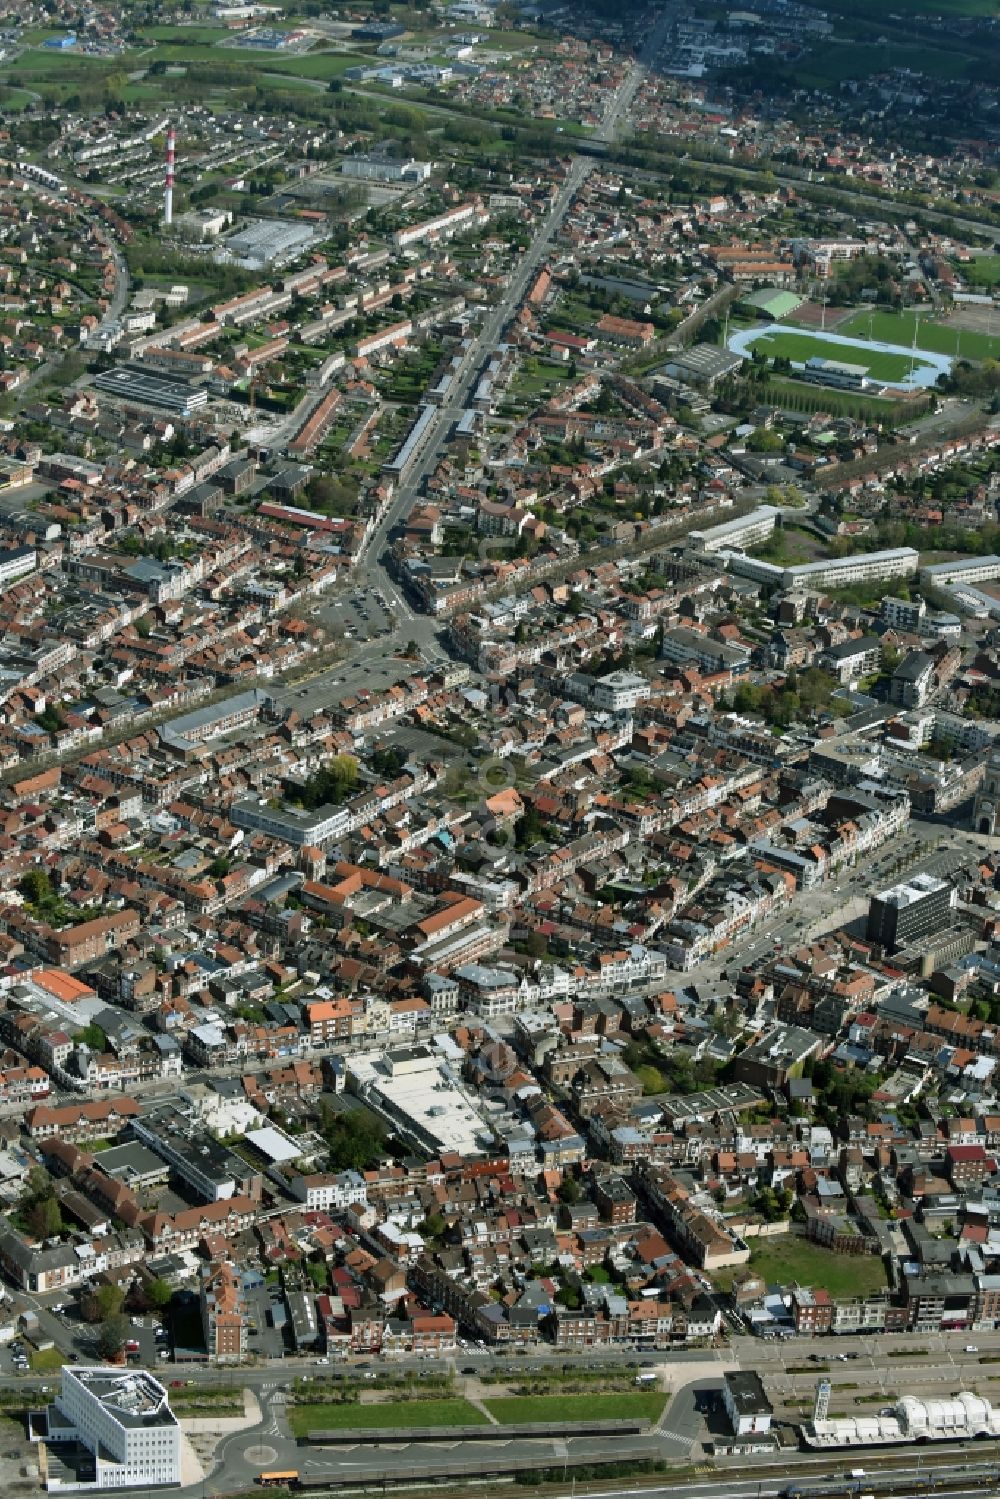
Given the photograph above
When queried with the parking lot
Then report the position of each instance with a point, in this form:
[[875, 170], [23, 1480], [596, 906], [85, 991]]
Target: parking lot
[[361, 615], [266, 1330]]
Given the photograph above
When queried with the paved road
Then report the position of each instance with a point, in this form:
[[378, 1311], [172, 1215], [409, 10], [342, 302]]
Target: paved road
[[372, 567]]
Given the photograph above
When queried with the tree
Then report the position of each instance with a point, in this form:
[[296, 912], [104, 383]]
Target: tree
[[535, 945], [35, 886], [651, 1079], [570, 1192], [356, 1139], [93, 1037], [331, 783], [433, 1226], [37, 1184], [43, 1218], [112, 1335], [103, 1303], [158, 1293]]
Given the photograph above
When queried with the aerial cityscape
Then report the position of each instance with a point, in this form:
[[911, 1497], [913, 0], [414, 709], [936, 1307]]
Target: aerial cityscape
[[500, 747]]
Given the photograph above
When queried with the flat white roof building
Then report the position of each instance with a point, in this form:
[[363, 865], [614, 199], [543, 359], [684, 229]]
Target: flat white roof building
[[267, 242], [122, 1418], [968, 570], [832, 572], [417, 1091], [742, 531]]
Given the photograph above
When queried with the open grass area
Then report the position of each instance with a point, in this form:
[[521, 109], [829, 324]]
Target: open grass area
[[321, 65], [37, 63], [185, 36], [914, 7], [941, 337], [798, 347], [641, 1405], [837, 60], [396, 1412], [791, 1258], [982, 270], [15, 99], [46, 1360], [789, 546]]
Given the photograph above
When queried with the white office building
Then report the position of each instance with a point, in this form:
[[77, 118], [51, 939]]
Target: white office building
[[620, 691], [122, 1419]]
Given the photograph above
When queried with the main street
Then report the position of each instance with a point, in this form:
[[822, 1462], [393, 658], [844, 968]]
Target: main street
[[372, 568], [865, 1369]]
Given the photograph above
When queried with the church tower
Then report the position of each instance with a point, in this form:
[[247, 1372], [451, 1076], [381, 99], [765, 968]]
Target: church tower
[[986, 808]]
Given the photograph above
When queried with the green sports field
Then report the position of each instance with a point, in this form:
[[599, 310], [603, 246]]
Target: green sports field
[[940, 337], [798, 347]]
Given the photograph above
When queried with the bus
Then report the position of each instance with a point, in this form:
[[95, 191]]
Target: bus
[[279, 1480]]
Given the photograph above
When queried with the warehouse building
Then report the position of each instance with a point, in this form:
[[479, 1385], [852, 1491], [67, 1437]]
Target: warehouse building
[[267, 242], [771, 303], [703, 364], [138, 386]]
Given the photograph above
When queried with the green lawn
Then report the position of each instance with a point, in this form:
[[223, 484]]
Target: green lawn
[[185, 35], [798, 347], [39, 62], [395, 1412], [15, 99], [46, 1360], [789, 1258], [982, 270], [322, 65], [917, 7], [941, 337], [837, 60], [643, 1405]]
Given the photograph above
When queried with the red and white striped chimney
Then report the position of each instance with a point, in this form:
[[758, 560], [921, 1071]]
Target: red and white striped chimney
[[168, 187]]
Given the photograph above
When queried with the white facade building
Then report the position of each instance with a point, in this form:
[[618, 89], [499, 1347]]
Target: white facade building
[[124, 1419], [743, 531], [833, 572], [620, 691]]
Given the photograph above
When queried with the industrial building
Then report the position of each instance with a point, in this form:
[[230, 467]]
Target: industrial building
[[186, 735], [703, 364], [143, 387], [267, 242], [108, 1429], [909, 911], [910, 1420], [385, 169]]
